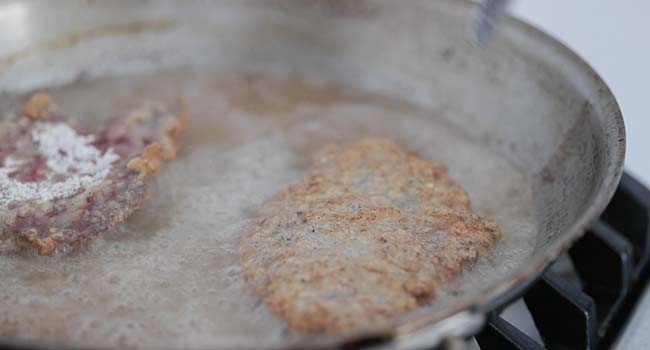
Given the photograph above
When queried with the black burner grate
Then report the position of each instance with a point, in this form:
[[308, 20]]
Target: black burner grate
[[611, 263]]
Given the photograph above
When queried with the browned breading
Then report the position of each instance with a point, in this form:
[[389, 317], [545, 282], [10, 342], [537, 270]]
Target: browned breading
[[369, 233], [47, 212], [37, 106], [155, 155], [149, 162]]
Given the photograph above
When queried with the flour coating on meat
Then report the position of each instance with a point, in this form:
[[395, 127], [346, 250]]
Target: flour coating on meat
[[61, 186], [368, 234]]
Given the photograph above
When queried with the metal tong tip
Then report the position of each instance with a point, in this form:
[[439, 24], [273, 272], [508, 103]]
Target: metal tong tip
[[490, 13]]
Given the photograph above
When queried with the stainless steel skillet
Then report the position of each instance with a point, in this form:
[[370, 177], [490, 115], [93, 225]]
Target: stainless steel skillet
[[525, 97]]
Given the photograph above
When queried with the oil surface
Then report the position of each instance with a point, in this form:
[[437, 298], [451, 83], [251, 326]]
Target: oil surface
[[170, 276]]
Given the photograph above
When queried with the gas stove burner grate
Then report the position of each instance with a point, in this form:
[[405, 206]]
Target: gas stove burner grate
[[611, 264]]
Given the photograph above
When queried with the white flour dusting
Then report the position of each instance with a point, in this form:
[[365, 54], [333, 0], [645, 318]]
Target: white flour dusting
[[67, 154]]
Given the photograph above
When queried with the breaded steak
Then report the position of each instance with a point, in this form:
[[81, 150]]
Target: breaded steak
[[370, 232], [61, 186]]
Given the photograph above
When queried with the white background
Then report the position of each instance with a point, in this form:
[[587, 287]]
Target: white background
[[614, 37]]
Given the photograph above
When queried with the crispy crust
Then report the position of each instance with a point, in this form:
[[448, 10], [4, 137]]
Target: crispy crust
[[37, 106], [155, 155], [149, 162], [44, 226], [370, 233]]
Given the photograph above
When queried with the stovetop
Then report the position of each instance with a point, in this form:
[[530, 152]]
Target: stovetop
[[591, 298]]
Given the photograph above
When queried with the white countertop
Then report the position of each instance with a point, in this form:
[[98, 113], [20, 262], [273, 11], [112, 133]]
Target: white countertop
[[614, 37]]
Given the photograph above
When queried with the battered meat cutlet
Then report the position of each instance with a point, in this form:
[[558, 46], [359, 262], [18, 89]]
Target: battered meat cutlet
[[369, 233], [61, 186]]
